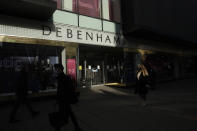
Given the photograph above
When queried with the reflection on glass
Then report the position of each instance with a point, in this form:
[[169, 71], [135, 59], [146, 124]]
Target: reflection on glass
[[89, 7]]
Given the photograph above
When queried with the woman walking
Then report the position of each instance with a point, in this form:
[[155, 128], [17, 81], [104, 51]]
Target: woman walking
[[142, 83]]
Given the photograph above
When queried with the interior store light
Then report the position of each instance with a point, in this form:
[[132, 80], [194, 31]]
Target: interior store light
[[89, 67], [98, 67]]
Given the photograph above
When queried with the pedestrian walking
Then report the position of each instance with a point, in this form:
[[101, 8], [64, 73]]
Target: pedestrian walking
[[65, 96], [142, 83], [151, 75], [21, 95]]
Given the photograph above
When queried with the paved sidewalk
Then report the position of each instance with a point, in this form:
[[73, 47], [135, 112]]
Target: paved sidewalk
[[172, 106]]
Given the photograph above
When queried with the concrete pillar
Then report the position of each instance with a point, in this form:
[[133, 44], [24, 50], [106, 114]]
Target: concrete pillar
[[103, 69], [72, 53], [78, 73], [63, 56], [85, 69]]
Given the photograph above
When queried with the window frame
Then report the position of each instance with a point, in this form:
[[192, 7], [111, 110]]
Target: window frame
[[101, 12]]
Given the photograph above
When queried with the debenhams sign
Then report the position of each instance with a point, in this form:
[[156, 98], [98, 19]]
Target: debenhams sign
[[80, 35], [66, 33]]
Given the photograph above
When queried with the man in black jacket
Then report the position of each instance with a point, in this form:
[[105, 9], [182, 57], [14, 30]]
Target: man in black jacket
[[65, 91]]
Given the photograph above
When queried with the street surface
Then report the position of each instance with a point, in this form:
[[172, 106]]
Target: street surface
[[171, 107]]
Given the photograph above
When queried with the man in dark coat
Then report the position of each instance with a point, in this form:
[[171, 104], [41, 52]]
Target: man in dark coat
[[65, 92]]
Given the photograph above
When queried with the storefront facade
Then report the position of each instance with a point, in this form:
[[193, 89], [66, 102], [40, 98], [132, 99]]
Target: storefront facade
[[168, 61], [86, 38], [41, 44], [100, 65]]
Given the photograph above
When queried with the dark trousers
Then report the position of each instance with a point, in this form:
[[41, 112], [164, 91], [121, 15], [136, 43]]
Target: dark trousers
[[18, 103], [67, 111]]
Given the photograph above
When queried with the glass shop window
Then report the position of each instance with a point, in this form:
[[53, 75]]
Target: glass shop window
[[111, 10], [89, 8]]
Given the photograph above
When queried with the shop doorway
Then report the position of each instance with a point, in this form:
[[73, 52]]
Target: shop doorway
[[100, 65], [94, 72]]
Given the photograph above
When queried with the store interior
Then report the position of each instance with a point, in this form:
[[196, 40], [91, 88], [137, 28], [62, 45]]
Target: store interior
[[100, 64], [38, 58]]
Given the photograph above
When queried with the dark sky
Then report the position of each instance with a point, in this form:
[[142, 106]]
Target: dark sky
[[177, 18]]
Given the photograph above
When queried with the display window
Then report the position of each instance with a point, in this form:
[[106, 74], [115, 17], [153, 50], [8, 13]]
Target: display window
[[105, 9], [89, 7], [36, 60], [162, 65]]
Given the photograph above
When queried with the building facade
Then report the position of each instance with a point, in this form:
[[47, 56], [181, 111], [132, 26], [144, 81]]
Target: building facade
[[85, 36], [162, 32], [96, 41]]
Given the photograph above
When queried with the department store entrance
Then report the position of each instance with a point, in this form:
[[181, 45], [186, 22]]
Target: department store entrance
[[100, 65]]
